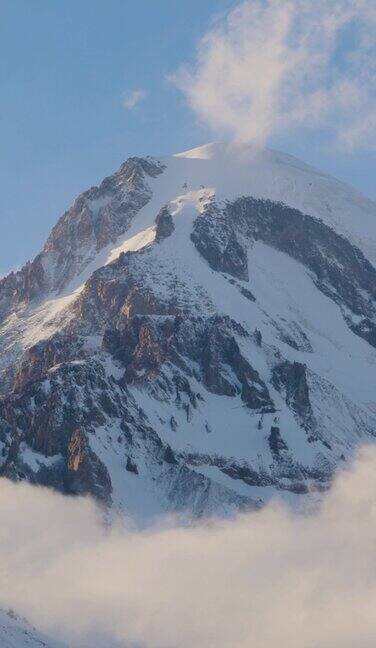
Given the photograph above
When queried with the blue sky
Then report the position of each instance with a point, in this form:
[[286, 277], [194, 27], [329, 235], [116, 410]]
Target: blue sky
[[66, 69]]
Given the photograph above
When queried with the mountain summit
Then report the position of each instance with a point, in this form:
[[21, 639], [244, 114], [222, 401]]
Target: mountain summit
[[197, 335]]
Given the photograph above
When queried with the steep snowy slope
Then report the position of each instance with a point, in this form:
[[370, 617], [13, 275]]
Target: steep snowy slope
[[17, 633], [197, 335]]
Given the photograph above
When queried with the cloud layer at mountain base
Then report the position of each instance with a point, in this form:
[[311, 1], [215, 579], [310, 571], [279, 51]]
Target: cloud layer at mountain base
[[270, 66], [265, 579]]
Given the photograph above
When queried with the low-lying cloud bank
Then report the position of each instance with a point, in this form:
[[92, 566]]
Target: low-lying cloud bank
[[266, 579], [270, 66]]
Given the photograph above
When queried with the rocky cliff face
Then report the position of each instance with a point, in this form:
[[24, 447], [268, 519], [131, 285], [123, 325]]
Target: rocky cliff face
[[175, 348], [97, 218]]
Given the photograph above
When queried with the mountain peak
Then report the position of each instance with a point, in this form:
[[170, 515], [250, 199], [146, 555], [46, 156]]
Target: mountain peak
[[243, 153], [188, 336], [207, 151]]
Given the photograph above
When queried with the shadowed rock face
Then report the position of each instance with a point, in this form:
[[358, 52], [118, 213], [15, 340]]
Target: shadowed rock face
[[277, 444], [290, 379], [165, 225], [45, 355], [23, 286], [86, 474], [54, 414], [339, 269], [215, 238], [144, 346]]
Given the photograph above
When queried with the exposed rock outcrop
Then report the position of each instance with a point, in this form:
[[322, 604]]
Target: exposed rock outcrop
[[290, 379], [164, 223], [86, 474], [216, 239]]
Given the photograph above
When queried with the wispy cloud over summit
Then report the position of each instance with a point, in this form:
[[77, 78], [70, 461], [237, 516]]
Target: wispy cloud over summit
[[270, 66]]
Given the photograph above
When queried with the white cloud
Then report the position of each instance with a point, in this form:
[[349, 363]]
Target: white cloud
[[274, 65], [265, 579], [133, 99]]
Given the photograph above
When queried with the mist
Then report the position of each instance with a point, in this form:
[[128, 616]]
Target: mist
[[268, 67], [263, 579]]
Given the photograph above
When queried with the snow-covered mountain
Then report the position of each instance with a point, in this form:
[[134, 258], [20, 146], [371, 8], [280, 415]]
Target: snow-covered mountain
[[197, 335]]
